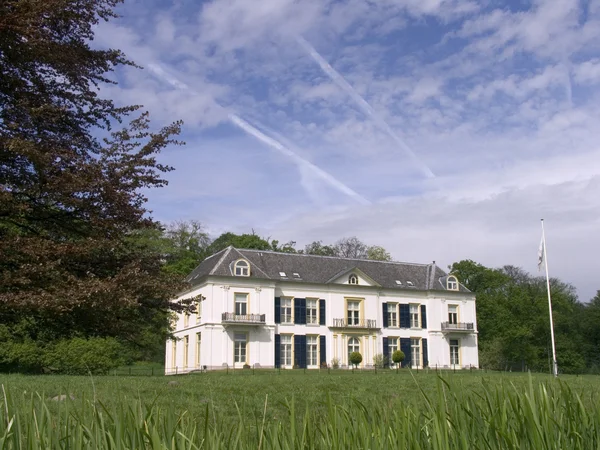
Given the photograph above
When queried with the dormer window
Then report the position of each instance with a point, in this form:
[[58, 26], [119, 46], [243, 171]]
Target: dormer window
[[452, 283], [352, 279], [242, 268]]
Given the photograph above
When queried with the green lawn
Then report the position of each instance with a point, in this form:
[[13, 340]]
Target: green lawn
[[224, 400]]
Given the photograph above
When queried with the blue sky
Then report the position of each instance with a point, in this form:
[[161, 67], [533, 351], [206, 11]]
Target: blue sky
[[441, 130]]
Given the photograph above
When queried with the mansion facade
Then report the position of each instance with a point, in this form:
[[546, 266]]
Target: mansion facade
[[266, 309]]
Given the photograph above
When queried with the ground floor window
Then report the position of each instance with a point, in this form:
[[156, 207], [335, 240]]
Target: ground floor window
[[392, 346], [239, 347], [286, 349], [415, 352], [186, 347], [353, 346], [454, 352], [311, 350], [198, 345], [173, 354]]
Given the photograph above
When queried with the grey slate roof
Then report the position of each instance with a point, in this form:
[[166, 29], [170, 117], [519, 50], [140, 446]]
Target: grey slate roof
[[321, 269]]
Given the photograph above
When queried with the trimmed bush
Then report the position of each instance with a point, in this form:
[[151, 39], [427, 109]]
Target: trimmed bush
[[398, 356], [355, 358]]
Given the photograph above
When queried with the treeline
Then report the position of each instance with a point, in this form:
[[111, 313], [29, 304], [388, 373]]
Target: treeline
[[514, 324]]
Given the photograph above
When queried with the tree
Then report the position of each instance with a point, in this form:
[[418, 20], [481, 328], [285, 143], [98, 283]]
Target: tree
[[188, 246], [70, 202], [377, 253], [317, 248], [398, 356], [288, 247], [355, 358], [350, 247], [248, 241]]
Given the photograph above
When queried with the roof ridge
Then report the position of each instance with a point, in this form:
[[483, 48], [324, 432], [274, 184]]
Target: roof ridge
[[212, 272], [331, 257], [256, 266]]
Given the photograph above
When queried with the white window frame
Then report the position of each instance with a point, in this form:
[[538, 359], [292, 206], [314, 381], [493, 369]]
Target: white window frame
[[186, 350], [393, 345], [454, 352], [312, 311], [312, 351], [287, 311], [415, 315], [453, 314], [198, 348], [353, 346], [198, 311], [415, 350], [392, 314], [239, 356], [352, 279], [241, 268], [452, 283], [286, 350], [353, 313], [236, 302]]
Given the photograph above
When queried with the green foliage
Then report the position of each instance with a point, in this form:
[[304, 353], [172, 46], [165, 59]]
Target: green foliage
[[80, 356], [380, 360], [378, 253], [249, 241], [317, 248], [355, 358], [398, 356]]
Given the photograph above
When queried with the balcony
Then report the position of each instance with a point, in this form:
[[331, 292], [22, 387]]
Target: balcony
[[464, 327], [246, 319], [343, 323]]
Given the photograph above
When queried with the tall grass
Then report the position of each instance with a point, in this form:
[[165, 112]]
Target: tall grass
[[547, 415]]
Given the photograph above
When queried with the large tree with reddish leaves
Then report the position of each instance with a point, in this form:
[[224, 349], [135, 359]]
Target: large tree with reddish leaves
[[71, 203]]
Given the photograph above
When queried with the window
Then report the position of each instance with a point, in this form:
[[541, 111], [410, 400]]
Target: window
[[392, 346], [282, 274], [242, 268], [173, 354], [452, 283], [198, 311], [296, 275], [452, 314], [415, 321], [186, 347], [399, 283], [239, 348], [392, 312], [198, 346], [454, 352], [415, 352], [311, 350], [186, 320], [353, 346], [352, 279], [311, 311], [286, 350], [286, 310], [241, 304], [353, 312], [410, 283]]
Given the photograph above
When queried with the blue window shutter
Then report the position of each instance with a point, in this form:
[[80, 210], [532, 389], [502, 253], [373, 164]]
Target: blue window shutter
[[300, 351], [386, 351], [322, 350], [277, 350], [277, 309], [322, 312], [405, 347], [404, 316], [425, 355], [385, 315], [423, 316], [300, 311]]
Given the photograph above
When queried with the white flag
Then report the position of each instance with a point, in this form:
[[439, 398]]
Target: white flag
[[541, 254]]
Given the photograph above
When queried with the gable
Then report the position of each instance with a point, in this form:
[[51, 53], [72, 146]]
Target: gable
[[353, 274]]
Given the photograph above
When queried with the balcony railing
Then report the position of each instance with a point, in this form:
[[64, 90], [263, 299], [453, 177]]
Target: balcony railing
[[460, 326], [343, 323], [243, 318]]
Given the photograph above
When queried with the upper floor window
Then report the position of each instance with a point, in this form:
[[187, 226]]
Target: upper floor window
[[353, 312], [241, 304], [352, 279], [198, 311], [311, 311], [415, 320], [242, 268], [452, 314], [286, 310], [452, 283], [392, 312]]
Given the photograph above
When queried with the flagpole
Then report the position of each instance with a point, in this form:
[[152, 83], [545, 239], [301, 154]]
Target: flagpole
[[554, 364]]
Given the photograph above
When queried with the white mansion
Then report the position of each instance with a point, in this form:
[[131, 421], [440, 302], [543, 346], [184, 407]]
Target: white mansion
[[268, 309]]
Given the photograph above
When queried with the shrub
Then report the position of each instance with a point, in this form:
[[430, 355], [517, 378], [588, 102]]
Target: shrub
[[78, 356], [380, 361], [398, 356], [355, 358], [335, 363]]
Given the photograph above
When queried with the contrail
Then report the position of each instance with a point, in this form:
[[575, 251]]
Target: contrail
[[362, 103], [256, 133]]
